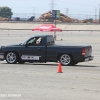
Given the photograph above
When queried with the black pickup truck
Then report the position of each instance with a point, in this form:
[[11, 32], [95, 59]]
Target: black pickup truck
[[43, 49]]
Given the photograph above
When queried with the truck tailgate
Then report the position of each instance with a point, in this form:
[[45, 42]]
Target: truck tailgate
[[88, 51]]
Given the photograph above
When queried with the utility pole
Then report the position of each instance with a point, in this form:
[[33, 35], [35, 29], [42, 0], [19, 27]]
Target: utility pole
[[99, 13], [52, 5], [95, 13], [78, 17], [34, 11], [66, 11]]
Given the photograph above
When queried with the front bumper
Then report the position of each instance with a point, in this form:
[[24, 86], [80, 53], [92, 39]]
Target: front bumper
[[1, 56], [88, 58]]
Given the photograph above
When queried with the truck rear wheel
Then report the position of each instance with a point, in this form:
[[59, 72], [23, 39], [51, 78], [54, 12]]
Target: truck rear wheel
[[65, 59]]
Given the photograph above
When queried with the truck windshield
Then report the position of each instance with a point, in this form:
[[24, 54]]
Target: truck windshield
[[24, 43]]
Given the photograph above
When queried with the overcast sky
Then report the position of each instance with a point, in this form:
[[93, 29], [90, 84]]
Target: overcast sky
[[86, 7]]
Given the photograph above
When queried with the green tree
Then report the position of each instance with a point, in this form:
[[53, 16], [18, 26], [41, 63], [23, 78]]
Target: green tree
[[5, 12]]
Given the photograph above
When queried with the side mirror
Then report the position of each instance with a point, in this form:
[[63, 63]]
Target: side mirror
[[26, 45], [20, 43]]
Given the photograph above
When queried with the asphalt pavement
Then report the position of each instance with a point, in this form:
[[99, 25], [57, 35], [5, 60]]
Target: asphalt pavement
[[40, 81]]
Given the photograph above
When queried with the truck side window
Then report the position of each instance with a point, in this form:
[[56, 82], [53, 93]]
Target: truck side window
[[50, 40]]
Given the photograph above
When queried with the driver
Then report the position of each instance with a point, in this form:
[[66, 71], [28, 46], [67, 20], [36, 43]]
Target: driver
[[38, 41]]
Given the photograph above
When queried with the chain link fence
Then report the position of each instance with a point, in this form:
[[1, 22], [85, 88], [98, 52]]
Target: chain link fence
[[35, 16], [77, 16]]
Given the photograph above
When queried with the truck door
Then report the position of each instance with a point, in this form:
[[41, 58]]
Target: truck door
[[34, 50]]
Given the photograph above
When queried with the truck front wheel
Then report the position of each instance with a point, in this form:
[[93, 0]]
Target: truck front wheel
[[65, 59], [74, 63], [11, 57]]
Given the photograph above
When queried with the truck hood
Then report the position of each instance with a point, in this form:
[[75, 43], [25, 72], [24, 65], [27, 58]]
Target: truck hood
[[14, 45]]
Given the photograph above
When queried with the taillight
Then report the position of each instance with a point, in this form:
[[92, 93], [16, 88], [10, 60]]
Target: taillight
[[91, 50], [83, 51]]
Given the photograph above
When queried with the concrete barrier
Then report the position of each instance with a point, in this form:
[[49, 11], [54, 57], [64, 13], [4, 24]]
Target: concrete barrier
[[62, 26]]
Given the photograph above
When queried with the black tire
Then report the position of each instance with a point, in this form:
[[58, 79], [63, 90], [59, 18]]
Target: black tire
[[74, 63], [11, 58], [65, 59], [21, 62]]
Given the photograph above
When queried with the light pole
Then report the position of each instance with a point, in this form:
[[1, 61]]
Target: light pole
[[99, 13], [34, 11]]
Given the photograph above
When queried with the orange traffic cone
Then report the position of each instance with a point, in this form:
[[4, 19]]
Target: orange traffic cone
[[59, 68]]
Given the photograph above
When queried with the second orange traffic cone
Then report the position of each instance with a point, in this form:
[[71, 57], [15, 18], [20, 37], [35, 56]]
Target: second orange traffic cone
[[59, 68]]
